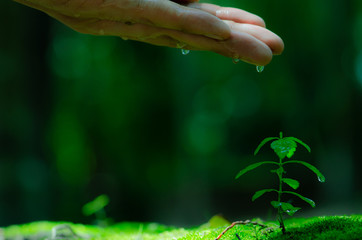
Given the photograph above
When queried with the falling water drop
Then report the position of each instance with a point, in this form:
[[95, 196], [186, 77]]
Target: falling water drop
[[259, 69], [185, 51], [236, 60], [321, 179]]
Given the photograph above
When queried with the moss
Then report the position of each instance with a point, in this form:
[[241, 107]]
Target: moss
[[337, 227]]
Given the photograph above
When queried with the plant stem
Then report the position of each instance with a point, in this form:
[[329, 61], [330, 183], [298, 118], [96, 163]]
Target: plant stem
[[280, 211]]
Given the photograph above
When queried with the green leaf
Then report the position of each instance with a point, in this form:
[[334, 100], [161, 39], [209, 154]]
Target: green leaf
[[289, 208], [275, 204], [286, 207], [94, 206], [261, 192], [320, 176], [284, 147], [263, 143], [300, 142], [252, 166], [291, 182], [310, 201]]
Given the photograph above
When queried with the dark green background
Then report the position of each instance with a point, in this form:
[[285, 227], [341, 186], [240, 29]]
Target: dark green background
[[164, 134]]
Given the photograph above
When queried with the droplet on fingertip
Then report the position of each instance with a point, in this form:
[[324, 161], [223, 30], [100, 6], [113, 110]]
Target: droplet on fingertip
[[236, 60], [259, 69], [185, 51]]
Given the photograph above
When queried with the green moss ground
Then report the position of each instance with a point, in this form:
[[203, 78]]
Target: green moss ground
[[336, 227]]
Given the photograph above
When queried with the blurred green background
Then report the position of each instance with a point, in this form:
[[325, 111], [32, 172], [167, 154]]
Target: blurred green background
[[163, 134]]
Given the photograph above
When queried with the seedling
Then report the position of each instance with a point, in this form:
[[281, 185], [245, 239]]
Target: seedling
[[96, 207], [283, 147]]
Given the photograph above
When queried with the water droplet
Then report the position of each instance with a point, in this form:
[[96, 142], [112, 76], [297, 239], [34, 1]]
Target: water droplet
[[236, 60], [259, 69], [321, 179], [185, 51]]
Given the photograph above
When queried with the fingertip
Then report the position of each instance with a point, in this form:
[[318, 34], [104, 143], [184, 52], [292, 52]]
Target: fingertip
[[279, 46], [259, 21], [250, 50], [222, 32], [262, 58]]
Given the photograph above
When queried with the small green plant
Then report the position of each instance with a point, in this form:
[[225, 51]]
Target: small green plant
[[96, 207], [283, 147]]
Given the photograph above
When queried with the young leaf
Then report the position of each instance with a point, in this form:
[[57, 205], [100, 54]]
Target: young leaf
[[275, 204], [261, 192], [300, 142], [310, 201], [278, 171], [291, 182], [263, 143], [284, 147], [96, 205], [252, 166], [320, 176], [289, 208]]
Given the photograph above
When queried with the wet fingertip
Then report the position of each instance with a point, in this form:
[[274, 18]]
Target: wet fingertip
[[262, 59], [280, 50]]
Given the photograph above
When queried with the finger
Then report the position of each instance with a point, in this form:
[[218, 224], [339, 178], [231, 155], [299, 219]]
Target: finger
[[240, 45], [231, 14], [274, 42], [170, 15]]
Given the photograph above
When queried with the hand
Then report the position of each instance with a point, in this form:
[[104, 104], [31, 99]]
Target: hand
[[230, 32], [249, 41]]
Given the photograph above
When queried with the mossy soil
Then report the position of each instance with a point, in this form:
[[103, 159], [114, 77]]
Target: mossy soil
[[332, 227]]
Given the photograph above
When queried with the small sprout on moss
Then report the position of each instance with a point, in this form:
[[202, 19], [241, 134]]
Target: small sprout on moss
[[140, 233], [96, 207], [284, 147]]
